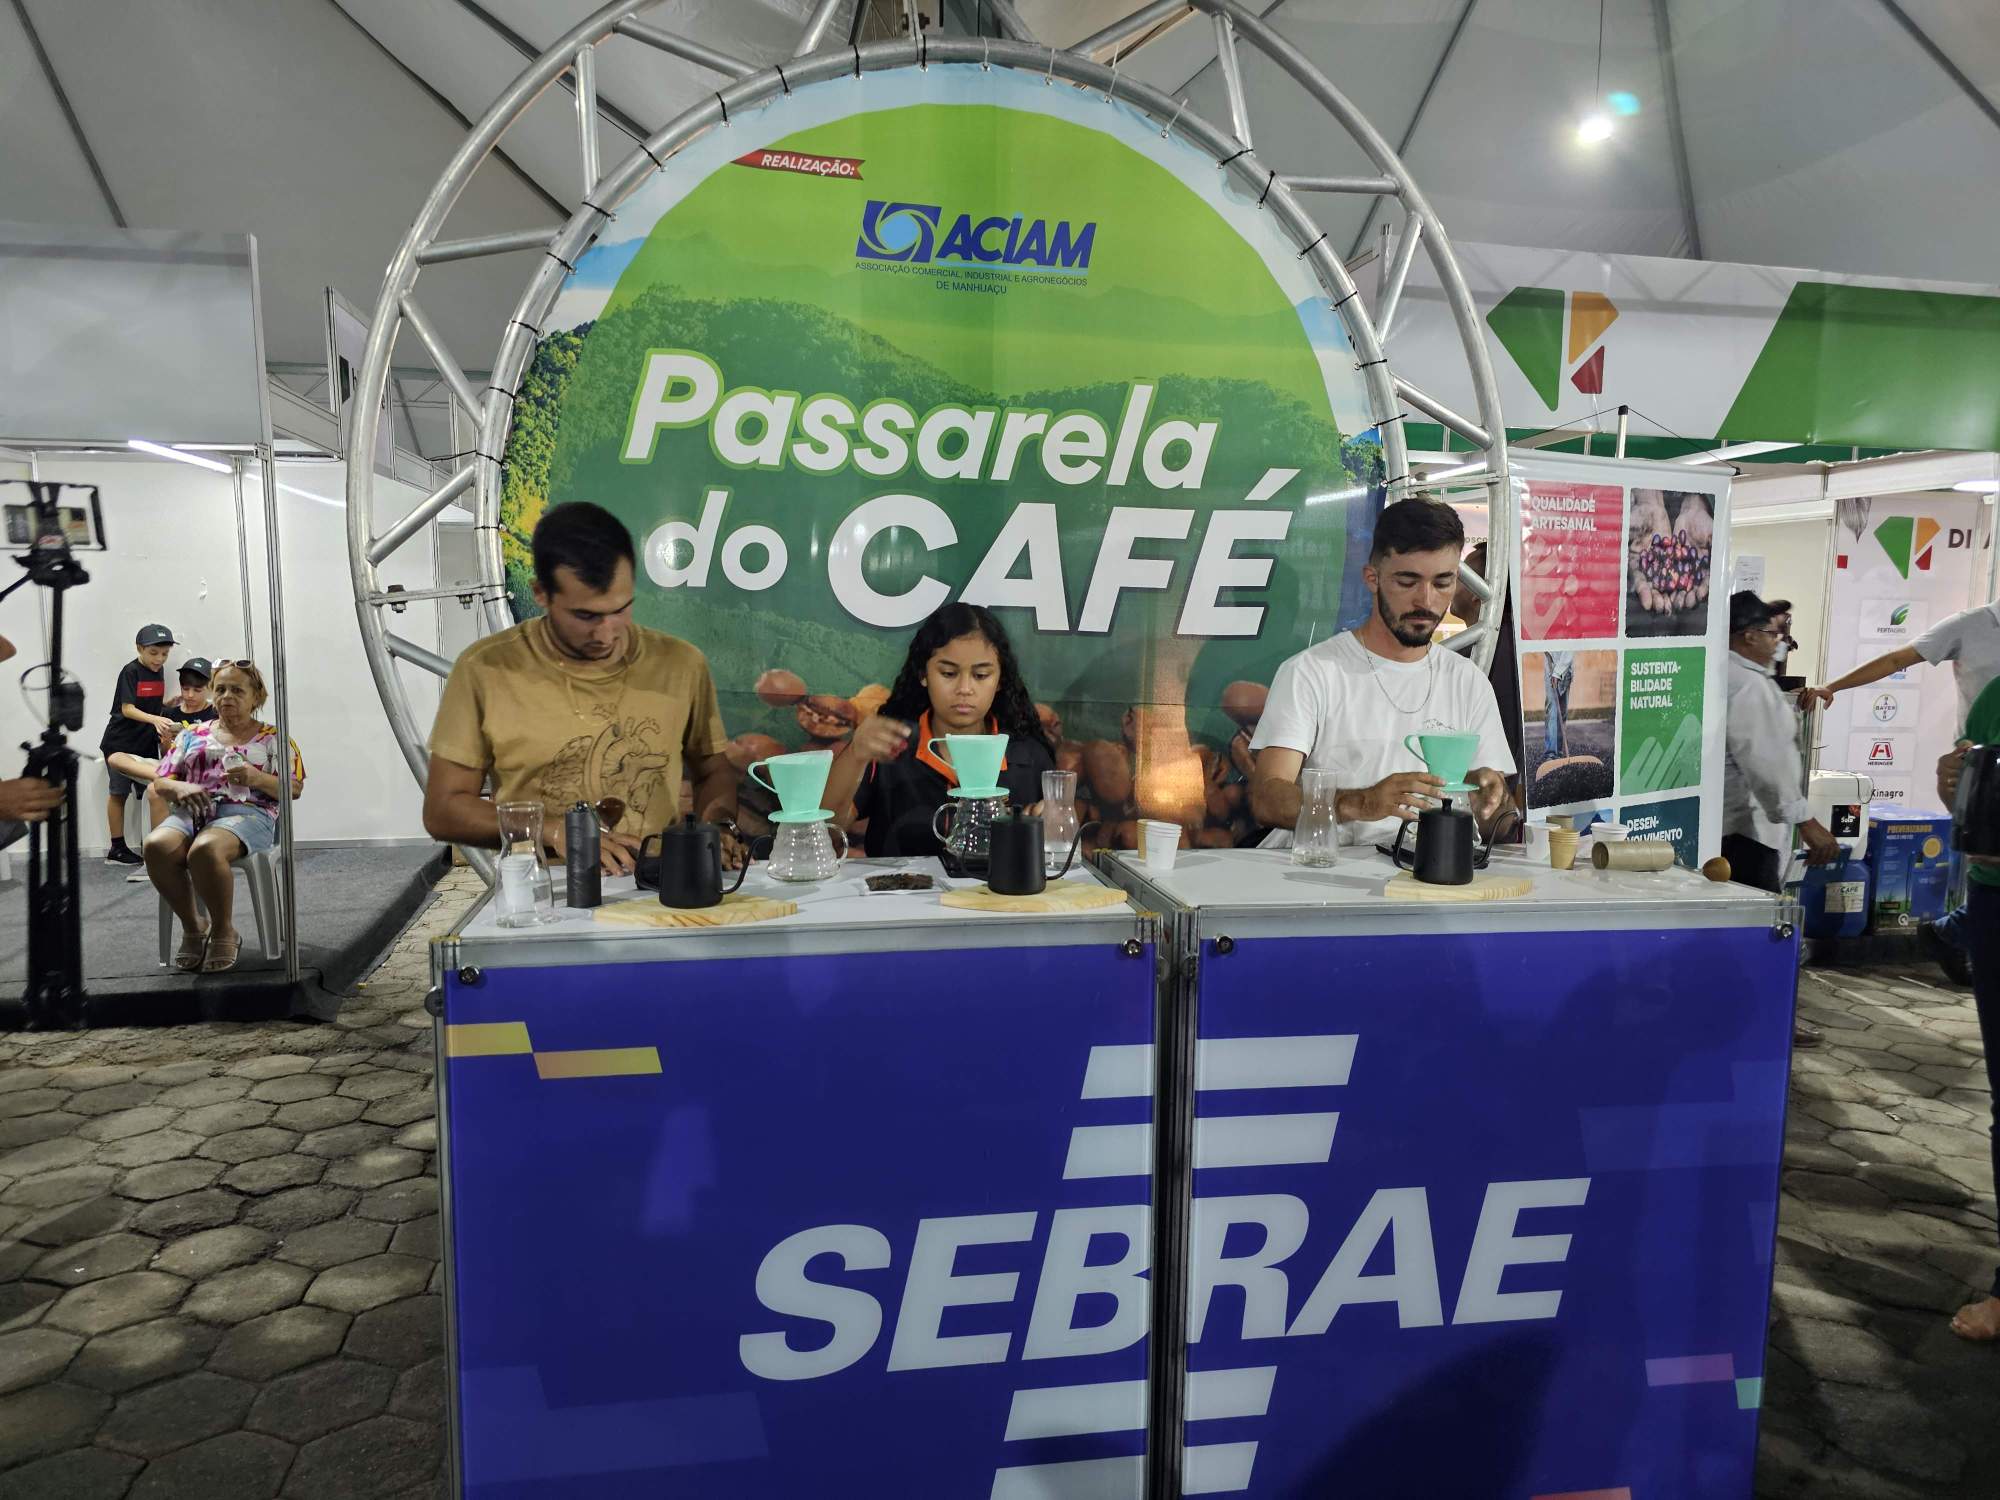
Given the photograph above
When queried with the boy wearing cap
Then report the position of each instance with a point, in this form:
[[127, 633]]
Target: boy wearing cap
[[138, 714], [188, 707]]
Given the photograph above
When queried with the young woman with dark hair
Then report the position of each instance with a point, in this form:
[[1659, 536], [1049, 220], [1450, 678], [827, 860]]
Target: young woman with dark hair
[[958, 677]]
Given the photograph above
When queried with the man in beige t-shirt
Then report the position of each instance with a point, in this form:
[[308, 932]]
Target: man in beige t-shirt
[[578, 705]]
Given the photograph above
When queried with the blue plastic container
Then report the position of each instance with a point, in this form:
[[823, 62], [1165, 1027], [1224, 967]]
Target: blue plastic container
[[1837, 898]]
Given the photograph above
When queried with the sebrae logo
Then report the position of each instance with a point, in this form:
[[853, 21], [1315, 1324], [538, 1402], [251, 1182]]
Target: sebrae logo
[[918, 233], [1908, 542], [1547, 331]]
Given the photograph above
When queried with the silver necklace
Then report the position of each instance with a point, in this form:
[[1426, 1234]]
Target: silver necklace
[[1430, 685]]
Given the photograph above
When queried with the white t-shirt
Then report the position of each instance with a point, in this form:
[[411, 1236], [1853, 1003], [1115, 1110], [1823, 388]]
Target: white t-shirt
[[1971, 643], [1348, 710]]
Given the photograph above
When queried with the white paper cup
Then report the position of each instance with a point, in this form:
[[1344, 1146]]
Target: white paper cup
[[1159, 842], [1537, 836], [1609, 833]]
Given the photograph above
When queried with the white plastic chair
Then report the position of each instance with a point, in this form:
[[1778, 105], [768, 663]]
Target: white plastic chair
[[260, 870]]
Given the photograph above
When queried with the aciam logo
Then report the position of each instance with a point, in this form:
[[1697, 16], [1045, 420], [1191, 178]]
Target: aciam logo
[[910, 232], [1547, 332], [1907, 540]]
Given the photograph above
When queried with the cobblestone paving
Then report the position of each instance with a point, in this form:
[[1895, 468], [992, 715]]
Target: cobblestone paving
[[219, 1253], [1885, 1227]]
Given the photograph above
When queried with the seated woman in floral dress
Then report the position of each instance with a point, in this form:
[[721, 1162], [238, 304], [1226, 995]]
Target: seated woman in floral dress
[[222, 781]]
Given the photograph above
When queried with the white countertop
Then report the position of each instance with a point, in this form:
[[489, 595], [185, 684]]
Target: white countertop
[[841, 904], [1261, 878]]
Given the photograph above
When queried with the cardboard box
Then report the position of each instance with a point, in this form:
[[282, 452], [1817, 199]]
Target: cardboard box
[[1910, 850]]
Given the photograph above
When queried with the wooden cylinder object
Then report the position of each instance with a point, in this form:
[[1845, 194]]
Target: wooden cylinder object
[[1625, 854]]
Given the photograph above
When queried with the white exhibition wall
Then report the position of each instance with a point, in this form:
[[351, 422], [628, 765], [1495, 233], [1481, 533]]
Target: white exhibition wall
[[172, 558], [1795, 558]]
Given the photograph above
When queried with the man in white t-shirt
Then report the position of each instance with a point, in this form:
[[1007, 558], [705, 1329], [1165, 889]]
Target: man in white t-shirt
[[1971, 643], [1346, 703]]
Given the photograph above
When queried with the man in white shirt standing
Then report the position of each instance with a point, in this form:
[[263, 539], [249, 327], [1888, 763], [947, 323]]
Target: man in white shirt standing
[[1971, 643], [1346, 704], [1763, 773]]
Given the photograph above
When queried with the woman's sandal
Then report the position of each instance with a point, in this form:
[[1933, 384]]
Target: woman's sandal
[[221, 954], [193, 953]]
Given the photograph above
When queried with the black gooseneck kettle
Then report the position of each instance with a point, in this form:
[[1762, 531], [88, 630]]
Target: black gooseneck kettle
[[1015, 855], [688, 865], [1447, 850]]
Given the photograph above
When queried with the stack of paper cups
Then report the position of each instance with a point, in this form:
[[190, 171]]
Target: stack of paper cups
[[1562, 848]]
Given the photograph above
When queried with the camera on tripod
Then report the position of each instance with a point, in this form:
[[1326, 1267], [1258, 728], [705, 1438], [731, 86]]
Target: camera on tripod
[[47, 530]]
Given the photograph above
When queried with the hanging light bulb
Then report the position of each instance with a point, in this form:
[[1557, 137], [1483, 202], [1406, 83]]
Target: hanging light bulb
[[1593, 129]]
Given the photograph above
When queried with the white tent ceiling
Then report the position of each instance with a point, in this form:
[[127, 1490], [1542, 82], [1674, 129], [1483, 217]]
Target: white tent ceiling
[[1849, 135]]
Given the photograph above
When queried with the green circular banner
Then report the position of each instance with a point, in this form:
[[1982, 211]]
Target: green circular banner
[[954, 333]]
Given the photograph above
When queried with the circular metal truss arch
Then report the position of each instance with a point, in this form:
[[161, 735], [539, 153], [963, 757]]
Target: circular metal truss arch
[[1390, 398]]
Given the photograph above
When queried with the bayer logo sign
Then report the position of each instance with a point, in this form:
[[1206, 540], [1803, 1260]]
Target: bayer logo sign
[[1886, 708]]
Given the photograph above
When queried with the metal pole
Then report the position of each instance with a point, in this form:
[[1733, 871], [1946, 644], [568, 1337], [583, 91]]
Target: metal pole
[[517, 343], [586, 115], [1624, 424], [287, 843], [243, 554]]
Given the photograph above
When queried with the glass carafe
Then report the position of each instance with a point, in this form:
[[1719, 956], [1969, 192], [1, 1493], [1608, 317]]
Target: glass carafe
[[523, 894], [1059, 824], [806, 851], [968, 838], [1316, 837]]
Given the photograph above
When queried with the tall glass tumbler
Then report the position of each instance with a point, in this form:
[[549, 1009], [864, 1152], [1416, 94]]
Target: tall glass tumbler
[[525, 893], [1316, 837]]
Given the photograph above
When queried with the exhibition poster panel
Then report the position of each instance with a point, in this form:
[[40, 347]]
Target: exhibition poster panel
[[1901, 565], [949, 334], [815, 1225], [1622, 630], [1510, 1235]]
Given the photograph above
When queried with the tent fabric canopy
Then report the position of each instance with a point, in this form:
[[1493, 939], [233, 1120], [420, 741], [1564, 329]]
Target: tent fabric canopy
[[1846, 135]]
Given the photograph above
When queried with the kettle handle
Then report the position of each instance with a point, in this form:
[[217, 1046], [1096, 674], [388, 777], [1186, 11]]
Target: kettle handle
[[731, 888], [1396, 856], [1074, 845]]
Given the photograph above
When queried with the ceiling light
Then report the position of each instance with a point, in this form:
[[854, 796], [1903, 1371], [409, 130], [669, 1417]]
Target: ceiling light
[[1593, 129], [161, 450], [1979, 486]]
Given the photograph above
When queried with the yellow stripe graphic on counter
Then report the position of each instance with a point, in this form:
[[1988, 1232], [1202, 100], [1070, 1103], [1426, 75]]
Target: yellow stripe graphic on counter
[[510, 1039]]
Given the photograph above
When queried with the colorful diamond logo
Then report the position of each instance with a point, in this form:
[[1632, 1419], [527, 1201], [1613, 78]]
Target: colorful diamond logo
[[1907, 542], [1548, 333]]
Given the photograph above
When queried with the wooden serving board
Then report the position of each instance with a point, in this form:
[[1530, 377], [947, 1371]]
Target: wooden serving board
[[1061, 896], [734, 910], [1404, 886]]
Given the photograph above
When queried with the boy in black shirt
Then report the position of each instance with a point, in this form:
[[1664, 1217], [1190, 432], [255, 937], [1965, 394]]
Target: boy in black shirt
[[138, 713]]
